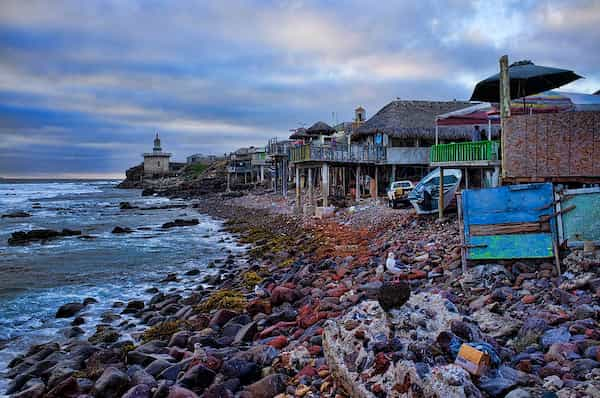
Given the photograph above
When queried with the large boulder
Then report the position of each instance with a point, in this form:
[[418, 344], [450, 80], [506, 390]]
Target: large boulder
[[198, 376], [393, 295], [112, 384], [68, 310]]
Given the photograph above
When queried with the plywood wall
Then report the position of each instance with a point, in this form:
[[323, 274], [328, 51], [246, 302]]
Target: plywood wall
[[553, 145]]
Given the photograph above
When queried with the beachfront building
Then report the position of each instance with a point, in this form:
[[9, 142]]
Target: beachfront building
[[393, 144], [259, 163], [157, 162]]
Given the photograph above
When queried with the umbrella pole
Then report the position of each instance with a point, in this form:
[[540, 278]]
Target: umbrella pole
[[504, 106]]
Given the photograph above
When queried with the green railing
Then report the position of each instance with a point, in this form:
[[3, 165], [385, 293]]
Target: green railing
[[465, 151]]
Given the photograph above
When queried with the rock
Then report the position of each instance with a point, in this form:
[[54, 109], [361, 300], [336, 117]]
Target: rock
[[198, 376], [121, 230], [221, 317], [278, 342], [133, 306], [78, 321], [38, 235], [179, 339], [112, 383], [68, 310], [35, 390], [585, 311], [553, 336], [156, 366], [518, 393], [282, 294], [138, 391], [553, 383], [245, 371], [16, 214], [192, 272], [267, 387], [393, 295], [73, 332], [104, 334], [218, 391], [180, 392], [180, 223], [246, 333], [496, 325], [498, 382]]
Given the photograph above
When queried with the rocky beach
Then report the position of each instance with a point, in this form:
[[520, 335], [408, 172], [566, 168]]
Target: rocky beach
[[301, 314]]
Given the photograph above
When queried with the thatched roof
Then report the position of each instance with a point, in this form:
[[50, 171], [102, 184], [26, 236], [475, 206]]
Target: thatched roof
[[408, 119], [299, 134], [320, 128]]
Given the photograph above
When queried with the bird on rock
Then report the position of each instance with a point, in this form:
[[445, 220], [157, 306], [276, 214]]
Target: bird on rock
[[393, 267]]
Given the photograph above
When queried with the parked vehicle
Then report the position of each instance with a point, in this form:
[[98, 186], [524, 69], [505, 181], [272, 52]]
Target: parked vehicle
[[425, 197], [398, 192]]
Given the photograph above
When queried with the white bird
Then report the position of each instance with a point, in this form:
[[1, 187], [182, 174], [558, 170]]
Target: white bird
[[392, 268], [260, 292]]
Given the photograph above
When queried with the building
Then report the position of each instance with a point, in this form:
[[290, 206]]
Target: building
[[200, 158], [157, 162]]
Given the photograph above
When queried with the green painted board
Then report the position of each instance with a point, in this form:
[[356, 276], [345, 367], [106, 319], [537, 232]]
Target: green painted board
[[583, 222], [511, 246]]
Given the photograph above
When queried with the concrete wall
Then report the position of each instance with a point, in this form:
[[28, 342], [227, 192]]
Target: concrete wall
[[552, 145], [156, 165]]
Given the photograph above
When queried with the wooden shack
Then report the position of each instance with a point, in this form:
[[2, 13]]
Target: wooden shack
[[554, 147]]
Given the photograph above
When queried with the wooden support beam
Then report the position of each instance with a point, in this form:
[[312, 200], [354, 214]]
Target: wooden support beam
[[310, 186], [441, 195], [461, 231], [357, 193], [298, 190], [325, 183]]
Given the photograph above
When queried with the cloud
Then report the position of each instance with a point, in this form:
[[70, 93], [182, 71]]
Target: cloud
[[84, 85]]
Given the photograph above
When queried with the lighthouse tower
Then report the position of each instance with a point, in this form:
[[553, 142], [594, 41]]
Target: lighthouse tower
[[156, 163]]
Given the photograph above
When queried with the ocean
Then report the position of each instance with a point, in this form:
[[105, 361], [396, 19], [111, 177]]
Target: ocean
[[36, 279]]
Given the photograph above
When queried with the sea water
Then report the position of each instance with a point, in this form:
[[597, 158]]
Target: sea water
[[37, 278]]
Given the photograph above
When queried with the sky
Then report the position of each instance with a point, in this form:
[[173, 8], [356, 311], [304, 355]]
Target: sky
[[84, 85]]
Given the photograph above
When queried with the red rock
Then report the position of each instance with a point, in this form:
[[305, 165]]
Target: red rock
[[258, 307], [277, 327], [315, 350], [336, 292], [282, 294], [308, 371], [297, 334], [528, 299], [177, 353], [377, 388], [524, 365], [278, 342], [416, 274], [382, 363]]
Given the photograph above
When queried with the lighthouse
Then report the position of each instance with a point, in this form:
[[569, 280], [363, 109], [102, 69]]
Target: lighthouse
[[156, 163]]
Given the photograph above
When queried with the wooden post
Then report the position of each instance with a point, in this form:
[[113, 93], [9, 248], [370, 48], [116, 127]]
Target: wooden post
[[504, 106], [376, 193], [357, 193], [466, 178], [228, 182], [393, 173], [298, 190], [441, 195], [325, 184], [310, 186], [461, 231]]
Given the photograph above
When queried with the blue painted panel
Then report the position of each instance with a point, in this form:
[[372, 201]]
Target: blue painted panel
[[508, 204], [538, 245]]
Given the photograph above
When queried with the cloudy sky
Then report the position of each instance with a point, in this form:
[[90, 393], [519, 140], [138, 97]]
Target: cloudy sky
[[85, 84]]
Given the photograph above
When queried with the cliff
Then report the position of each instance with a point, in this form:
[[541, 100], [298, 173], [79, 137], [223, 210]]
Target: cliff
[[133, 178]]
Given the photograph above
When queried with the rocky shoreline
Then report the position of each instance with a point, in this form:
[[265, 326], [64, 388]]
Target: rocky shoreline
[[299, 316]]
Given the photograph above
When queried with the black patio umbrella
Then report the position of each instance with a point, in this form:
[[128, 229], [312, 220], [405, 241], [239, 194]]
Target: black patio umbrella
[[526, 78]]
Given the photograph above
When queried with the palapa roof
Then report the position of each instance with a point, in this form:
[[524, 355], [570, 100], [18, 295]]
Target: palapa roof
[[320, 128], [299, 134], [408, 118]]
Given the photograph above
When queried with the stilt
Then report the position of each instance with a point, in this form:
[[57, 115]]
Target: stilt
[[325, 184], [298, 191], [262, 174], [393, 173], [375, 192], [466, 178], [310, 186], [228, 182], [441, 196], [357, 193]]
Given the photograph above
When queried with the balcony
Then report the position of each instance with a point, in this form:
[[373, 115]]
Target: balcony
[[481, 153], [407, 155], [338, 153]]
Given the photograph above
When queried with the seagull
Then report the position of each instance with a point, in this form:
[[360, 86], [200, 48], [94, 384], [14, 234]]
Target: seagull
[[260, 292], [391, 267]]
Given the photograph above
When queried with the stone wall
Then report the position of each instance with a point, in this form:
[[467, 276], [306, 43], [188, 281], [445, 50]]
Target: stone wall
[[156, 165]]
